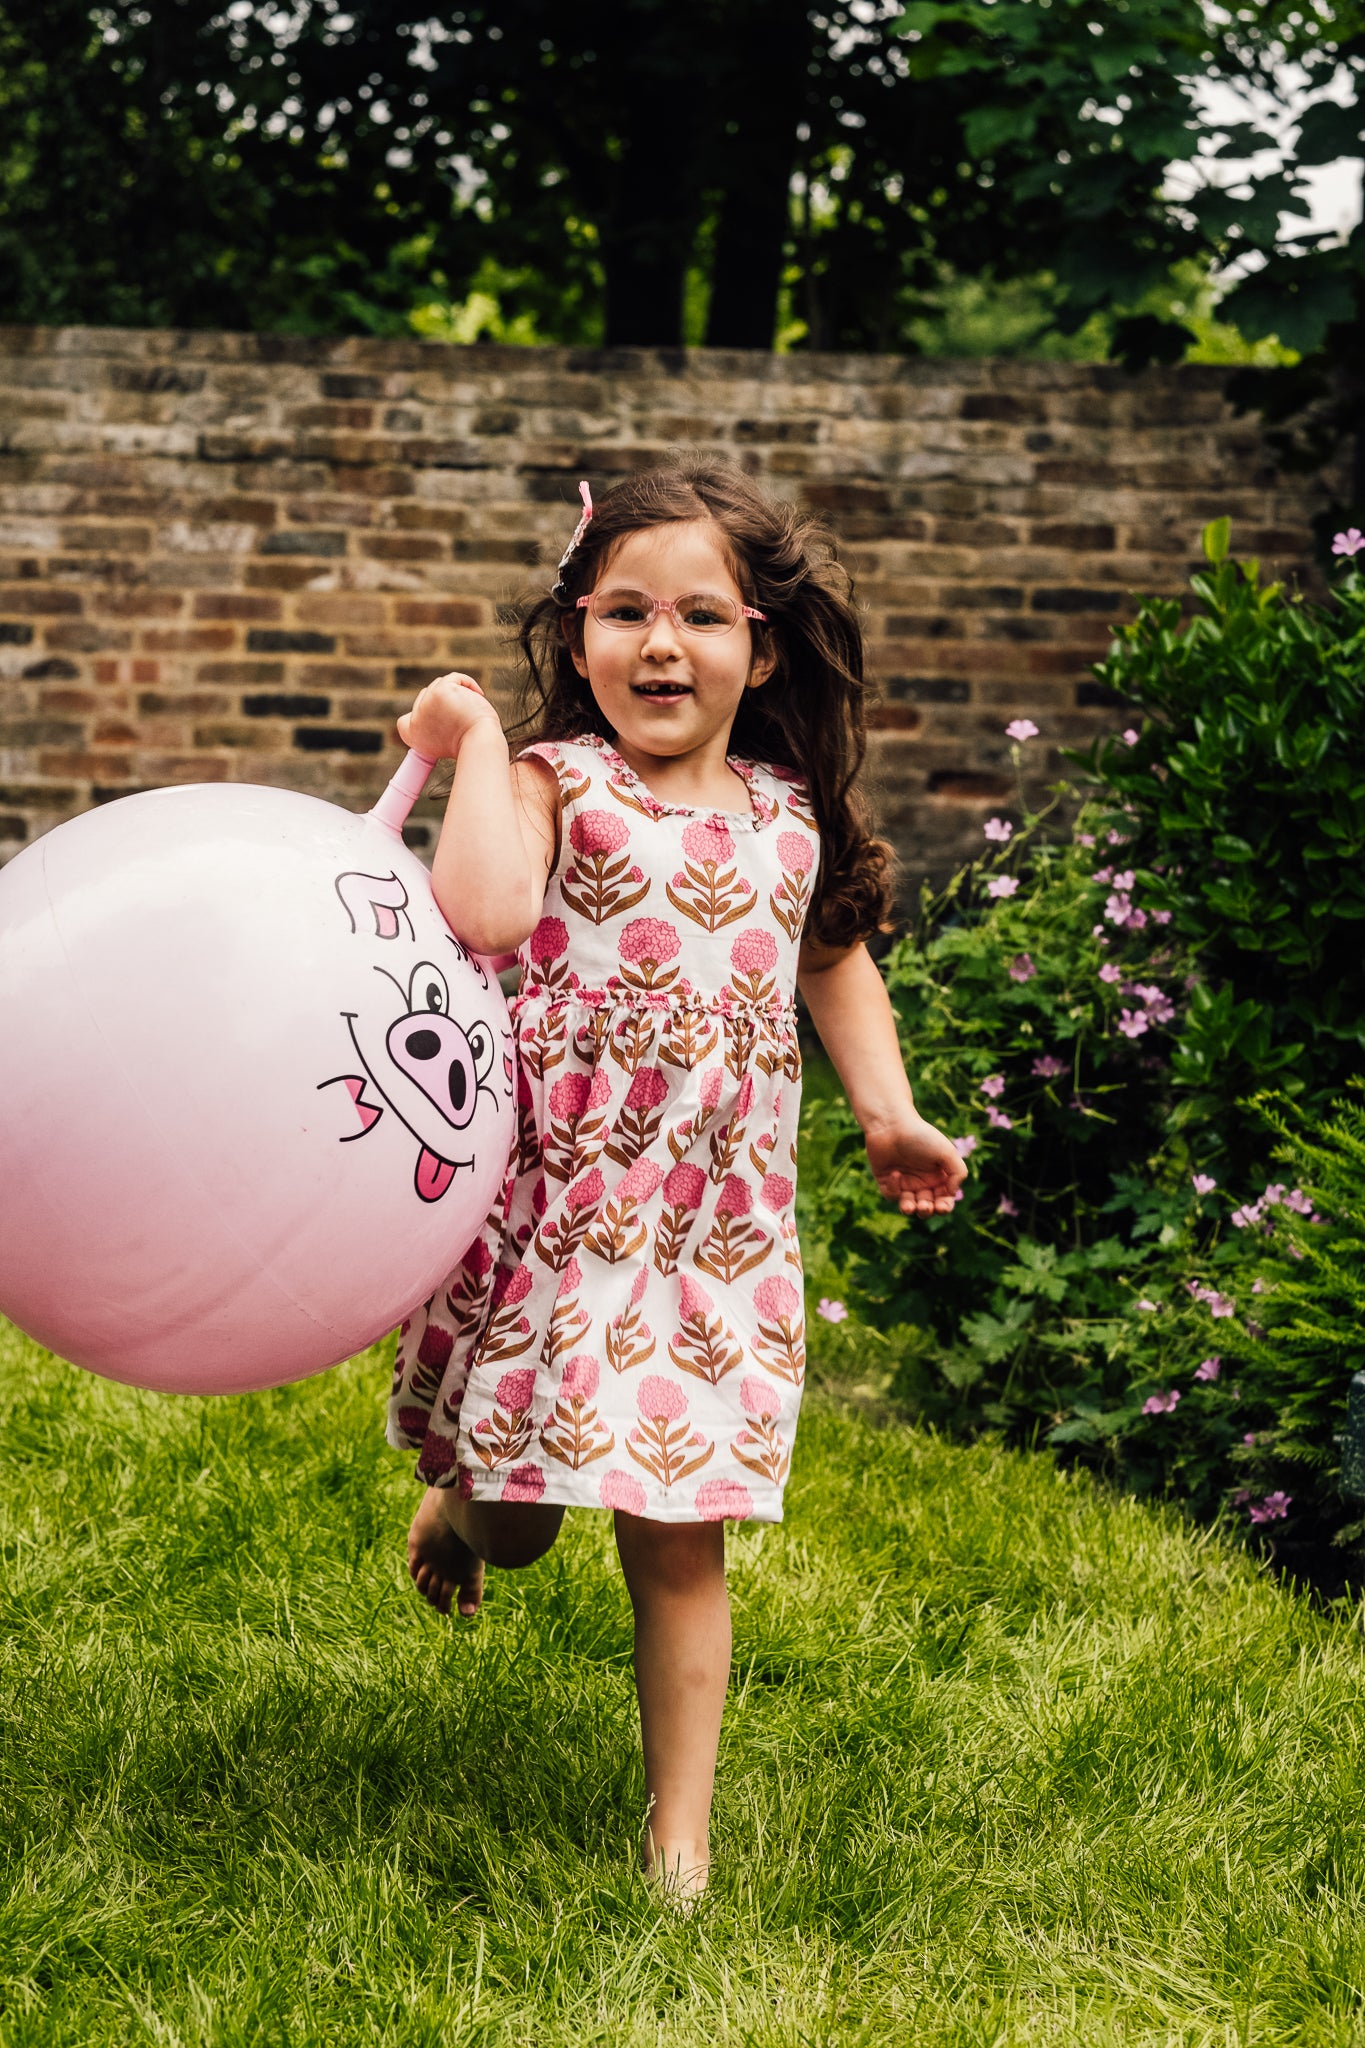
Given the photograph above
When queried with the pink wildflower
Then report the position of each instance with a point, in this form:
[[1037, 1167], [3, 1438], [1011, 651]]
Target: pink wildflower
[[1021, 968], [1130, 738], [1002, 885], [831, 1311], [1021, 729], [1110, 972], [998, 829], [997, 1118], [1273, 1508], [993, 1085], [1209, 1368], [1047, 1066], [1132, 1023], [1204, 1183], [1348, 543], [1006, 1207], [1162, 1404], [964, 1147]]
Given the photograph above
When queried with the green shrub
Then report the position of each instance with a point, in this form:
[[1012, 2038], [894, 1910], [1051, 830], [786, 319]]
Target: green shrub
[[1091, 1019], [1245, 795]]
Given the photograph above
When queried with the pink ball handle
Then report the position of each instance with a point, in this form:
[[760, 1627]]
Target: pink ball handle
[[403, 791]]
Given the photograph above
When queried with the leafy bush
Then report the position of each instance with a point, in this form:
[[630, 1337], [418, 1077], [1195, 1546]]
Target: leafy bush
[[1245, 796], [1090, 1019]]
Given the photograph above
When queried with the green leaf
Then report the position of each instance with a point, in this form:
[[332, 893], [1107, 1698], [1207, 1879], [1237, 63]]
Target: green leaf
[[1215, 538]]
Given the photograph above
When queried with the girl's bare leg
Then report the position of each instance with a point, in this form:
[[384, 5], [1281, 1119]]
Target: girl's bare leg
[[675, 1573], [451, 1540]]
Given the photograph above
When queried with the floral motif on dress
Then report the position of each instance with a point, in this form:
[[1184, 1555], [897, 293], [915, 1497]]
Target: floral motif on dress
[[626, 1331]]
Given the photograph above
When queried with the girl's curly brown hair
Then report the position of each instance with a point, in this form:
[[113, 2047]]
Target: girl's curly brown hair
[[808, 716]]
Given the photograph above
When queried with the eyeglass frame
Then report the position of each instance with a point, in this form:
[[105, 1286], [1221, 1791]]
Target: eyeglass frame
[[660, 604]]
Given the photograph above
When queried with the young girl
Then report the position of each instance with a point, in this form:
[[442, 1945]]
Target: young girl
[[678, 852]]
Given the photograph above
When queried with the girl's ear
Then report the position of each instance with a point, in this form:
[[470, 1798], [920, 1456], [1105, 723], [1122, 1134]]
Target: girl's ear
[[573, 638], [760, 668]]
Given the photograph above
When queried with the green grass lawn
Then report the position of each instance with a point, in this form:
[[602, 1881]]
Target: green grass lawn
[[1006, 1760]]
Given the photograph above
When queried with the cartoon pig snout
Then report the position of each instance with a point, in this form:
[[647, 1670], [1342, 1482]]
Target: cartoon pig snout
[[443, 1060]]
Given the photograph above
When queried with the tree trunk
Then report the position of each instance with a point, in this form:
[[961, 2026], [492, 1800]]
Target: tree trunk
[[775, 39]]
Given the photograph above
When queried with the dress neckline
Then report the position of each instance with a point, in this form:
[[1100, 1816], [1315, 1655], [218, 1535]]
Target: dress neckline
[[762, 810]]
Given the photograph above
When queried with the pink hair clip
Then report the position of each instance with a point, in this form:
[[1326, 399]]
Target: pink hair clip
[[557, 588]]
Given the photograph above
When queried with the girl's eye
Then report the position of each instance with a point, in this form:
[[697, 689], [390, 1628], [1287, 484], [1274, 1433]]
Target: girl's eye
[[623, 607], [427, 990], [481, 1045], [705, 614]]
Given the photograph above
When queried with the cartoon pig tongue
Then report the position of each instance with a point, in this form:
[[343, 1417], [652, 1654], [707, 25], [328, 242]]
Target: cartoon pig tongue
[[433, 1175]]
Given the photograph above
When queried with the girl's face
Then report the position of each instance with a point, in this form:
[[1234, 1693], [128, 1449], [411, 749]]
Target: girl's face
[[663, 691]]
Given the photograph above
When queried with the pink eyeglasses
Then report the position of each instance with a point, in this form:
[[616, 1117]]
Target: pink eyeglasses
[[634, 611]]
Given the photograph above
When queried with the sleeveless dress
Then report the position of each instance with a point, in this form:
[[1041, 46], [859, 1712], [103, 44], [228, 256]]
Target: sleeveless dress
[[627, 1330]]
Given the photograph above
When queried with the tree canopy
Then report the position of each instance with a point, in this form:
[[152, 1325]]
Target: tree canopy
[[635, 172]]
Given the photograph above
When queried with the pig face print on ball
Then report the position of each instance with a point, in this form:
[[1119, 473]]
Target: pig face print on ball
[[258, 1097], [440, 1076]]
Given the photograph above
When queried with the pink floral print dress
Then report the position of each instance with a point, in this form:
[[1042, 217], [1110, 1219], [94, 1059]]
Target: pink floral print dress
[[627, 1331]]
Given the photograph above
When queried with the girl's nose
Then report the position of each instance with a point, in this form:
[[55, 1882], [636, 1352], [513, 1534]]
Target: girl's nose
[[661, 642]]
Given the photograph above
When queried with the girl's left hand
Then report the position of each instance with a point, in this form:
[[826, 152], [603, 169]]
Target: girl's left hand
[[915, 1166]]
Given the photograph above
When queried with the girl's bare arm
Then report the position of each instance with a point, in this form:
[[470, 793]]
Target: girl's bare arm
[[498, 837], [913, 1163]]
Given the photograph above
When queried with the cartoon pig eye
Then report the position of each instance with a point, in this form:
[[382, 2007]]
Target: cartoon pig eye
[[427, 990], [481, 1045]]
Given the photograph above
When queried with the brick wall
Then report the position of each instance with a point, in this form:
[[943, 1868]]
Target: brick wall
[[236, 557]]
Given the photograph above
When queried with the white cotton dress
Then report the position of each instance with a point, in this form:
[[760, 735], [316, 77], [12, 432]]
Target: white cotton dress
[[627, 1330]]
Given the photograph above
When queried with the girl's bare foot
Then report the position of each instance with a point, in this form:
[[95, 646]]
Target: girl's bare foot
[[679, 1870], [441, 1563]]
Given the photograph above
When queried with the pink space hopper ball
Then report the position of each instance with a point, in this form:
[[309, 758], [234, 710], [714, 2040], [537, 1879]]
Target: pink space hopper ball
[[258, 1097]]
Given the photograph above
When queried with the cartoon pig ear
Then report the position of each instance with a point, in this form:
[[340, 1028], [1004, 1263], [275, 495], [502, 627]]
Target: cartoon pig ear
[[379, 902]]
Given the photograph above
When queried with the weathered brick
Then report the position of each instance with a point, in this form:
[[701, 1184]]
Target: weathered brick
[[328, 739], [286, 704], [53, 668], [235, 605], [304, 541], [267, 641], [452, 611]]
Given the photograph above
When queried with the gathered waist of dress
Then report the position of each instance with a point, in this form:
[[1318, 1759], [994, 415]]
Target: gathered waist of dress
[[654, 1002]]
